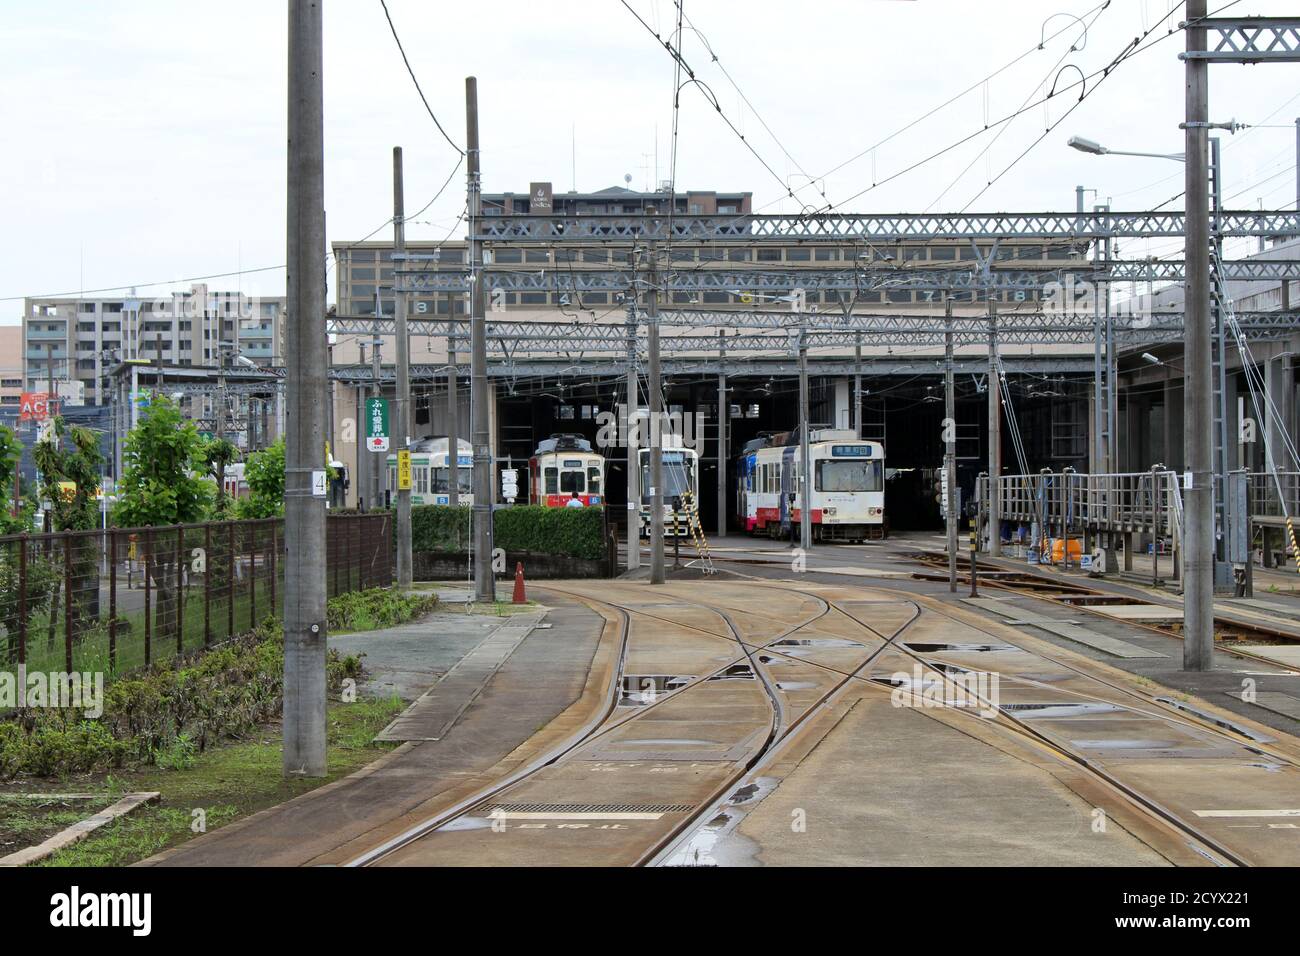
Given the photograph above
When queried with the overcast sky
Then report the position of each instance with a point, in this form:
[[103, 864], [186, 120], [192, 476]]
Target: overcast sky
[[145, 140]]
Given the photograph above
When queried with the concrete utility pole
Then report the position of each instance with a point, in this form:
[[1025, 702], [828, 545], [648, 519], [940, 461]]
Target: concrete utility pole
[[402, 397], [1198, 495], [995, 436], [724, 419], [633, 446], [221, 397], [656, 430], [453, 411], [804, 486], [377, 459], [857, 386], [304, 513], [479, 397], [950, 446], [363, 460]]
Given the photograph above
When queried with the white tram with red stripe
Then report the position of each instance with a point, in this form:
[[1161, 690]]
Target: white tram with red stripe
[[848, 494], [562, 465]]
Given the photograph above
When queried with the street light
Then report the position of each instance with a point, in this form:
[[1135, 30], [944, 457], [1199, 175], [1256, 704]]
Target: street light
[[1085, 145]]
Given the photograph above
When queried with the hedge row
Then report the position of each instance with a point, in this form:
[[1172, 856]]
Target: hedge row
[[575, 532]]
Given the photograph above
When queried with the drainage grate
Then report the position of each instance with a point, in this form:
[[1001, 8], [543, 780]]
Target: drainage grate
[[587, 808]]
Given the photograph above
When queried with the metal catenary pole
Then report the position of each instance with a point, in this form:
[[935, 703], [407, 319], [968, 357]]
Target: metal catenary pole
[[479, 397], [453, 410], [377, 459], [950, 446], [724, 421], [633, 446], [804, 485], [402, 399], [1198, 554], [304, 605], [656, 430], [995, 437]]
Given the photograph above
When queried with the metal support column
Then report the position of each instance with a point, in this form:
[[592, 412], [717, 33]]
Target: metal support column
[[402, 395], [1198, 579], [479, 394]]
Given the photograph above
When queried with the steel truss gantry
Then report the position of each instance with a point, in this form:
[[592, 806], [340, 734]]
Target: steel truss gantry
[[828, 329], [1248, 40], [870, 227], [757, 279]]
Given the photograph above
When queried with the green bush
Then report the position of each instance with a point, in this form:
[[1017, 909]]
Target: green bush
[[574, 532], [377, 607], [440, 528]]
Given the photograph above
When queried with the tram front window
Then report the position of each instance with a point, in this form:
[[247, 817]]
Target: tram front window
[[442, 483], [849, 476], [679, 475], [571, 481]]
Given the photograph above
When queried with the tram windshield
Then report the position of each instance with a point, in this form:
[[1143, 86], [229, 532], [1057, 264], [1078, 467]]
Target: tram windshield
[[679, 475], [442, 482], [846, 475]]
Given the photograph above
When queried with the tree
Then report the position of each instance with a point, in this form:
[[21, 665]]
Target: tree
[[69, 456], [164, 471], [217, 454], [11, 450], [164, 483], [264, 473]]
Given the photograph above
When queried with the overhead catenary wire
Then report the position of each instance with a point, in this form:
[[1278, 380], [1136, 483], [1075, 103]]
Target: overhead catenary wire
[[423, 99]]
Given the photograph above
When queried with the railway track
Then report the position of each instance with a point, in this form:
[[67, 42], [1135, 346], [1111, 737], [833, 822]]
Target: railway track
[[495, 803], [652, 782]]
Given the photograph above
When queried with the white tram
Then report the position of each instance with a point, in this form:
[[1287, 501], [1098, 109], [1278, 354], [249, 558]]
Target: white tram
[[848, 494]]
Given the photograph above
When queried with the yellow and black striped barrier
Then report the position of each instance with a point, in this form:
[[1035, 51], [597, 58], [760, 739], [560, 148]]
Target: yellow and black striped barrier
[[1295, 552], [697, 532]]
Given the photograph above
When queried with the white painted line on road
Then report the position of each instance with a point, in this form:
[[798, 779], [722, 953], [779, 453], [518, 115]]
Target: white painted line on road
[[1247, 813]]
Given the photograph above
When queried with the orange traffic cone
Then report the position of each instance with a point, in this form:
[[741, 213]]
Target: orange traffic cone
[[519, 597]]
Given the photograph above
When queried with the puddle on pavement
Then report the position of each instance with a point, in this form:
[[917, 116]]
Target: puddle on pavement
[[1056, 711], [671, 742], [716, 842], [640, 689], [1126, 743], [735, 672], [816, 642], [921, 648]]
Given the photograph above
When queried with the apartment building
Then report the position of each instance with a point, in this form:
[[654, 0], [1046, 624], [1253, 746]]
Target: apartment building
[[80, 338], [11, 365]]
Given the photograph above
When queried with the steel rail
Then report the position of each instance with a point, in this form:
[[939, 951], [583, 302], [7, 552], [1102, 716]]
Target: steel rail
[[595, 728]]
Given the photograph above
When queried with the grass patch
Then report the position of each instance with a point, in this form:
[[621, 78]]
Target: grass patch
[[226, 784], [25, 823], [376, 608]]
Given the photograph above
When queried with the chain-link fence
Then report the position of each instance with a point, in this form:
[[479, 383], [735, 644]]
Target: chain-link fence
[[122, 598]]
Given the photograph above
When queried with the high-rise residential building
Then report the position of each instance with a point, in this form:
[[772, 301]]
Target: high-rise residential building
[[82, 337]]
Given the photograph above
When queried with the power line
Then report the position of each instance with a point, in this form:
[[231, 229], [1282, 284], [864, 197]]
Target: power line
[[139, 285], [425, 101], [734, 85], [1131, 48], [675, 53]]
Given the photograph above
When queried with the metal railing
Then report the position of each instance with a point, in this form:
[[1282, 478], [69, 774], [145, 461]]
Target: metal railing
[[117, 599], [1065, 504], [1266, 503]]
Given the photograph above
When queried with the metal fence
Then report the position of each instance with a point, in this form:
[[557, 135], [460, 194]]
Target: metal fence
[[1266, 505], [122, 598], [1070, 503]]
